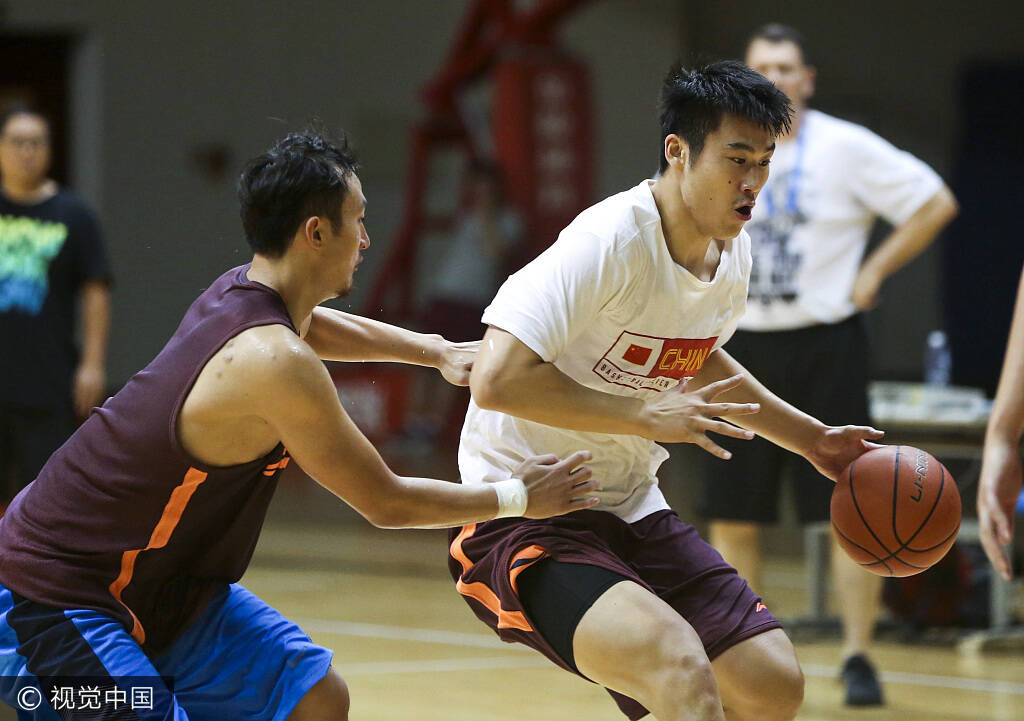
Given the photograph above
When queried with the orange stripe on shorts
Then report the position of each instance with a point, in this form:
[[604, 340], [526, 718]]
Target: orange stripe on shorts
[[534, 553], [482, 592]]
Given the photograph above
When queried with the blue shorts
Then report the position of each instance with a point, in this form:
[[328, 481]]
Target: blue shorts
[[240, 659]]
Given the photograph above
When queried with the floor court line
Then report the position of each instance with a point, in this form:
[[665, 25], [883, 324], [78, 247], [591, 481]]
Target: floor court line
[[476, 640], [438, 665]]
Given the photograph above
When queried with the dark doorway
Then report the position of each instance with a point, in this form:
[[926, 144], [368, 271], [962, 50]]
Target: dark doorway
[[34, 69], [983, 248]]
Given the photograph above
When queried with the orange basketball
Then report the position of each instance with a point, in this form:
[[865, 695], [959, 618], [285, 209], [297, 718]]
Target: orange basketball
[[896, 510]]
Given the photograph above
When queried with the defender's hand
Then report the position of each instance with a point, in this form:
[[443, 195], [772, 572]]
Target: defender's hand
[[676, 416], [457, 361], [555, 487]]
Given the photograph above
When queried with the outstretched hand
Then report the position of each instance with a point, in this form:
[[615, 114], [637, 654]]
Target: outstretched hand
[[677, 416], [457, 361], [998, 490], [838, 446], [554, 487]]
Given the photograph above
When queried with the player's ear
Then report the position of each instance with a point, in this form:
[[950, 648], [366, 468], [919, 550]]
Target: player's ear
[[311, 231], [676, 150]]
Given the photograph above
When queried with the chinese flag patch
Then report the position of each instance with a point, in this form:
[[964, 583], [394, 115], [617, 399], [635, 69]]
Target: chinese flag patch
[[636, 354]]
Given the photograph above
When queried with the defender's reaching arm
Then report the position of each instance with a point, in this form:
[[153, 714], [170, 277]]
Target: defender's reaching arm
[[298, 401], [339, 336]]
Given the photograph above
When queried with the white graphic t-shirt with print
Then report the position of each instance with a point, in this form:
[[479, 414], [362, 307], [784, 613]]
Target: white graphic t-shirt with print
[[812, 220], [608, 306]]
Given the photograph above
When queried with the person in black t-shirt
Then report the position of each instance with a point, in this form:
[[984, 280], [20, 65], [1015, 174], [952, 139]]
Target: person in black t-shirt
[[51, 258]]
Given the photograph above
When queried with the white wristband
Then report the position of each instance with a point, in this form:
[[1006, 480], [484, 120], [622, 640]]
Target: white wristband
[[511, 497]]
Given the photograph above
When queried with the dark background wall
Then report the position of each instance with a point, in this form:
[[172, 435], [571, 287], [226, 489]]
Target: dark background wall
[[167, 99]]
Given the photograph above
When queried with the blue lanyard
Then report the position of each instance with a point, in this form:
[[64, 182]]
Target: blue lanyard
[[793, 183]]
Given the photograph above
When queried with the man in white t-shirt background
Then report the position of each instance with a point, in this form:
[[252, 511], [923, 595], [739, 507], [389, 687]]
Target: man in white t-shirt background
[[612, 340], [802, 334]]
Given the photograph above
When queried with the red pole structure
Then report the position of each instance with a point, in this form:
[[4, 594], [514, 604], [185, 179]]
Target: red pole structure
[[488, 27]]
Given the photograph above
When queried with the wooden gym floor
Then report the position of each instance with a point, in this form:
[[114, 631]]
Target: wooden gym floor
[[410, 648]]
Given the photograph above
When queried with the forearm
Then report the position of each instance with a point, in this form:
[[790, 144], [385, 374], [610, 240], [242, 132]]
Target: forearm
[[430, 503], [910, 239], [543, 394], [95, 314], [777, 421], [1006, 423], [339, 336]]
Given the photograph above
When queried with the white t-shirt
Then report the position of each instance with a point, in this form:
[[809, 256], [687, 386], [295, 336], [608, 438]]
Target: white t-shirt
[[813, 217], [608, 306]]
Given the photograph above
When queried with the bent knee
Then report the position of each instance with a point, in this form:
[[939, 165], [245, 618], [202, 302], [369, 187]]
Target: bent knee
[[778, 694], [686, 681], [789, 693]]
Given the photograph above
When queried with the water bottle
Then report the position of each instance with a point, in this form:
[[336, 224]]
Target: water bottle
[[938, 359]]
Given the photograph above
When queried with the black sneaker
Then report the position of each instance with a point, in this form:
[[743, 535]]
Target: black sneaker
[[861, 682]]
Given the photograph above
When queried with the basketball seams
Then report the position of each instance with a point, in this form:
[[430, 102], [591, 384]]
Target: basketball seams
[[896, 494], [856, 545], [860, 514], [939, 508], [938, 497], [905, 545]]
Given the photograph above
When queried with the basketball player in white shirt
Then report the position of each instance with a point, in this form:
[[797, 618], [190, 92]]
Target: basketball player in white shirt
[[612, 340], [803, 334]]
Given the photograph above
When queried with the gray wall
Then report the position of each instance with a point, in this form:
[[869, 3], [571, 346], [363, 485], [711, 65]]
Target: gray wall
[[155, 80]]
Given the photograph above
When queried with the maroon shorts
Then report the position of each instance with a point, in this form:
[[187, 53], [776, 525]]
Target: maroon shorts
[[660, 552]]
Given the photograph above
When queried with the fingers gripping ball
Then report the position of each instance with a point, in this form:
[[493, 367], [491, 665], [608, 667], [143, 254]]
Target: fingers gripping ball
[[896, 510]]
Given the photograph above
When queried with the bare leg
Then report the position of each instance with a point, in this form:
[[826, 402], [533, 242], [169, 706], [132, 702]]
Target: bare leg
[[739, 544], [633, 642], [760, 679], [858, 593], [327, 701]]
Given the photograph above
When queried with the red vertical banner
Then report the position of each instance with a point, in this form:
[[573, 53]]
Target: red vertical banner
[[543, 129]]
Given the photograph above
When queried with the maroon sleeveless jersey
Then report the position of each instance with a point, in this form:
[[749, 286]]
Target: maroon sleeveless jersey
[[122, 519]]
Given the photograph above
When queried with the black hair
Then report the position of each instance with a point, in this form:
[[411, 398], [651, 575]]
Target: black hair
[[302, 175], [21, 108], [693, 103], [779, 33]]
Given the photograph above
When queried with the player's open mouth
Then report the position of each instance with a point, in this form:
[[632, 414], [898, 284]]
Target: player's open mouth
[[744, 211]]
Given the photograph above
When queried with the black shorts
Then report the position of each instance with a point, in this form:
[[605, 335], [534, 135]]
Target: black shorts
[[823, 371]]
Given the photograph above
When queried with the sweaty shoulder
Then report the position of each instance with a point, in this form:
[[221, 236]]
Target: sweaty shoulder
[[256, 364], [225, 417], [269, 354]]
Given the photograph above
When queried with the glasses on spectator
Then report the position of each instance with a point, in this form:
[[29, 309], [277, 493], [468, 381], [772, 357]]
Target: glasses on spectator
[[33, 143]]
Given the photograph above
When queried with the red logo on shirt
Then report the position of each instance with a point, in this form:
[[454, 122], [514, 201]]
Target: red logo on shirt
[[648, 362], [637, 354]]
